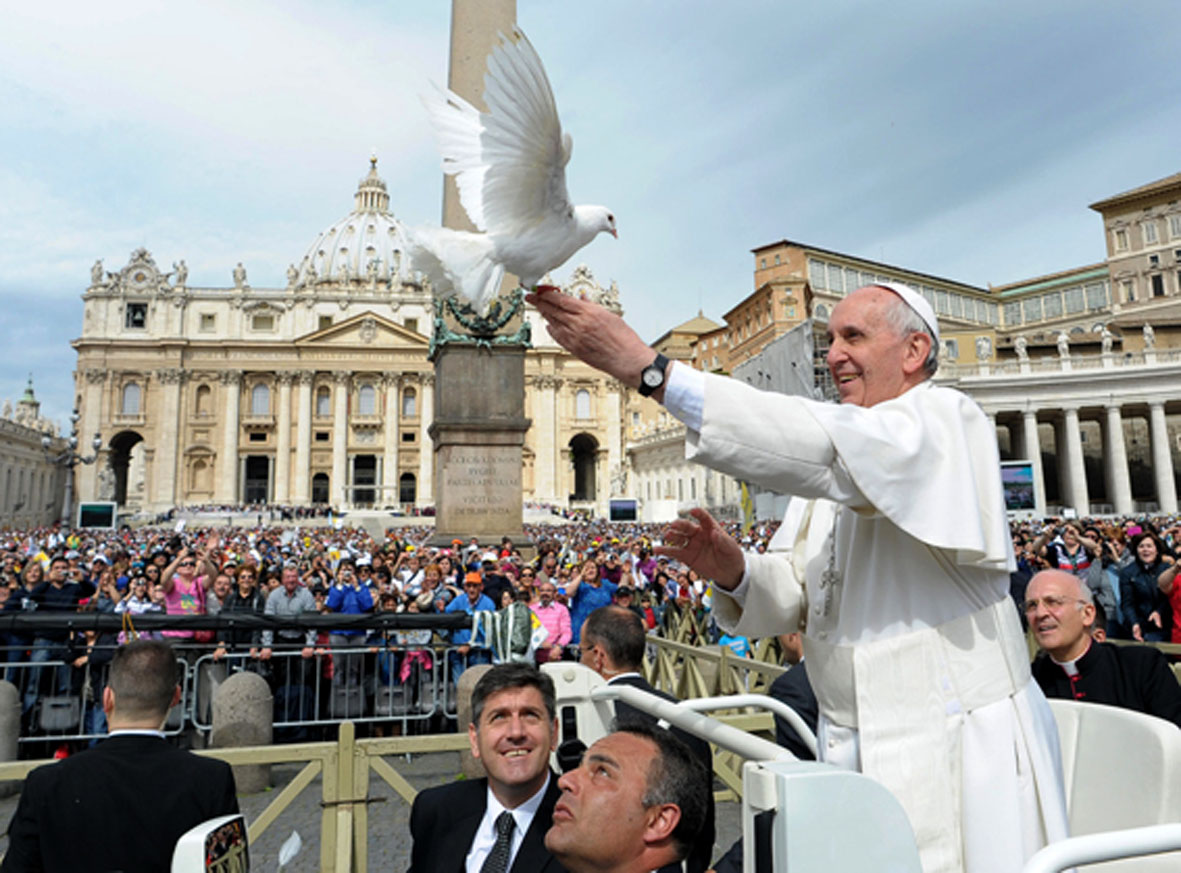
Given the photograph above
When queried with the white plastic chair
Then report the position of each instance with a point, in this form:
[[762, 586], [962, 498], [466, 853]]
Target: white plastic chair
[[1122, 771]]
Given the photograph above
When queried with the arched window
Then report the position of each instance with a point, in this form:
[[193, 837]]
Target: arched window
[[323, 401], [367, 400], [130, 404], [409, 403], [204, 399], [260, 400], [407, 488], [582, 407]]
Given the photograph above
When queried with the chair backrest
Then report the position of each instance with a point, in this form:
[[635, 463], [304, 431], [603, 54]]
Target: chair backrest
[[1121, 769]]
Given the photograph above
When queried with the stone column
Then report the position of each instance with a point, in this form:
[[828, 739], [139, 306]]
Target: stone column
[[168, 438], [340, 439], [283, 441], [227, 491], [1115, 462], [613, 417], [389, 459], [545, 437], [426, 455], [1078, 498], [1162, 457], [301, 486], [1032, 450], [92, 382]]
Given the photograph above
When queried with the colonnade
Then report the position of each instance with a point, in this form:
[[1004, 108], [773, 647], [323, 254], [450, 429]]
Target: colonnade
[[1067, 420]]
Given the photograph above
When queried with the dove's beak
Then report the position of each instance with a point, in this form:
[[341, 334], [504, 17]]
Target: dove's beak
[[614, 233]]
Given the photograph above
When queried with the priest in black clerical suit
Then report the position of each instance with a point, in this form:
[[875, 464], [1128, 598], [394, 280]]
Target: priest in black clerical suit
[[1062, 614], [458, 827]]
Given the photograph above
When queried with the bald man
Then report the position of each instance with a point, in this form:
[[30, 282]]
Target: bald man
[[1061, 613]]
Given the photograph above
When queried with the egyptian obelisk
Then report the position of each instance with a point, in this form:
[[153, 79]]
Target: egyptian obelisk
[[480, 424]]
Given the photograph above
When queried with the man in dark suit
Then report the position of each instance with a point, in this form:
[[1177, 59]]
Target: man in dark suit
[[794, 689], [123, 804], [496, 824], [612, 644]]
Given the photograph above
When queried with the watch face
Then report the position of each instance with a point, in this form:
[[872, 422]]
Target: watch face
[[653, 377]]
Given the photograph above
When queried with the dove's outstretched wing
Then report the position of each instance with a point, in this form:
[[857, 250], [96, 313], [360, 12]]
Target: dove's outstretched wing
[[510, 162]]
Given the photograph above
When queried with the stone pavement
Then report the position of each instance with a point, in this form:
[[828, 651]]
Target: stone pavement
[[389, 817]]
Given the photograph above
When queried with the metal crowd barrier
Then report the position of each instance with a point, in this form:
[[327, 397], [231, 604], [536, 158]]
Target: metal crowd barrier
[[66, 702], [378, 680]]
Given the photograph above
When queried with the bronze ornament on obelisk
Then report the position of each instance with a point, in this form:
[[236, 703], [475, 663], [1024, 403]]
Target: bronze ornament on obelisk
[[479, 427]]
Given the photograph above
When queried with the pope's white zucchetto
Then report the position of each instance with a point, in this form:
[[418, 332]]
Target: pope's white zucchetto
[[917, 302]]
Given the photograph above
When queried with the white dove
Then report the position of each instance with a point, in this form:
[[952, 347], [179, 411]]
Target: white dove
[[509, 165]]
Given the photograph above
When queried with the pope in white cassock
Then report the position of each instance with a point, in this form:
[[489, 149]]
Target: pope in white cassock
[[893, 560]]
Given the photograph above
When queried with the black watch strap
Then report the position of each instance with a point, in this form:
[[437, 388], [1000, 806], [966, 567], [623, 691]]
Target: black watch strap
[[652, 376]]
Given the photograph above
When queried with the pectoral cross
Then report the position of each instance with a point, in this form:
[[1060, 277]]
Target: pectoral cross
[[830, 579]]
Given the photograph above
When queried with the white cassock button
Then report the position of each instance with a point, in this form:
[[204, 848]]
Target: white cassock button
[[817, 609], [832, 744], [823, 635]]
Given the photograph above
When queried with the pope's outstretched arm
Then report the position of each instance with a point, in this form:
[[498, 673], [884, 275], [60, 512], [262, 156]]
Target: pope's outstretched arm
[[606, 342], [595, 335]]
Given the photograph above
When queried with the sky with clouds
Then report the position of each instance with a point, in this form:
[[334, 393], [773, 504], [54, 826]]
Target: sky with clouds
[[960, 139]]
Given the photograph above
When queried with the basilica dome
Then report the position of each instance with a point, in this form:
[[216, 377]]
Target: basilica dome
[[367, 243]]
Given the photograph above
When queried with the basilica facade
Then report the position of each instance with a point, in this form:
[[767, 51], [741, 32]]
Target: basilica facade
[[319, 392]]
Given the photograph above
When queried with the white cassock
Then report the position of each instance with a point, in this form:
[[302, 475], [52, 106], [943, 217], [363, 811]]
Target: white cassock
[[895, 565]]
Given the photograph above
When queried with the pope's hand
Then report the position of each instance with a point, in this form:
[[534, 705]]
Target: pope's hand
[[700, 542], [597, 336]]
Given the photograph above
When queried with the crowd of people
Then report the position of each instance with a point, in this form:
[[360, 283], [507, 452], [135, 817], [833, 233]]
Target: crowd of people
[[561, 574]]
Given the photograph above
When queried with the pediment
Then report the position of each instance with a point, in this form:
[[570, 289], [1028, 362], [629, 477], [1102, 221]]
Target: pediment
[[364, 329]]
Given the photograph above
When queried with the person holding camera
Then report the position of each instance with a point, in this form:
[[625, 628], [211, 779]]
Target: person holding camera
[[348, 597]]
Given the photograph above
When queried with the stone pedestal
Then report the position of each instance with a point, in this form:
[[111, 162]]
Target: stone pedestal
[[243, 715], [478, 433], [469, 764]]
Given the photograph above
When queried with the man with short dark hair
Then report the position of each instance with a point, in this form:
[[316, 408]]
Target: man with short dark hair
[[56, 594], [496, 824], [612, 644], [123, 804], [1061, 613], [635, 804]]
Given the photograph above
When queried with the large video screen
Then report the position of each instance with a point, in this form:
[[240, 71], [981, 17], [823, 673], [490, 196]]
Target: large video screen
[[622, 509], [1017, 481], [100, 515]]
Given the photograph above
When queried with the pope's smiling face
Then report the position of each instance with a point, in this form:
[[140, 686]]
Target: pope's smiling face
[[513, 741], [867, 357]]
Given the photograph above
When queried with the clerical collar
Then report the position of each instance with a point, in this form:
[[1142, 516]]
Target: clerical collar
[[136, 732], [1071, 667]]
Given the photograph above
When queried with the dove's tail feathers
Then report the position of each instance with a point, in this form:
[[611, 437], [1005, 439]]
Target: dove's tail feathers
[[456, 262], [457, 128]]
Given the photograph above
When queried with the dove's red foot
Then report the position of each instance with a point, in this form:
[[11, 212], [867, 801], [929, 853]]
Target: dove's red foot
[[540, 288]]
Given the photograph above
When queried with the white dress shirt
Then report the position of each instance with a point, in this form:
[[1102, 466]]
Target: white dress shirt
[[485, 837]]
